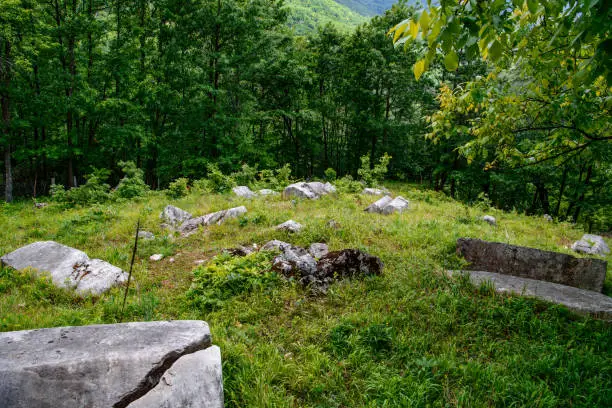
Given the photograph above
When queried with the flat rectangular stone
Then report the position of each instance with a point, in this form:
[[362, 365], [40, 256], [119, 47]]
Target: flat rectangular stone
[[584, 273], [579, 300], [92, 366]]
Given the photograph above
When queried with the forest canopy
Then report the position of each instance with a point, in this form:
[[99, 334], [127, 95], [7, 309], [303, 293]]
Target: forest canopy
[[510, 102]]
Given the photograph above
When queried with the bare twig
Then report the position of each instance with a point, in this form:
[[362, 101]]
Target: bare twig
[[127, 287]]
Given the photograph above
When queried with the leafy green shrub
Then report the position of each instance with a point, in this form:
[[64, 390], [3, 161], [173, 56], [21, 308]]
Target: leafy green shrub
[[346, 184], [217, 181], [375, 175], [283, 176], [330, 174], [227, 276], [246, 176], [178, 188], [132, 184], [58, 193], [95, 190]]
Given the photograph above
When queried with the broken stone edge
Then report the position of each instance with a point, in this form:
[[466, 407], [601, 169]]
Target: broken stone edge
[[581, 301]]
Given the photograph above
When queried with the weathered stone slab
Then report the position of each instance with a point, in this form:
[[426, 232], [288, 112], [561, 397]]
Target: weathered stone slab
[[579, 300], [68, 267], [243, 191], [219, 217], [194, 381], [591, 244], [94, 366], [312, 190], [533, 263], [173, 216]]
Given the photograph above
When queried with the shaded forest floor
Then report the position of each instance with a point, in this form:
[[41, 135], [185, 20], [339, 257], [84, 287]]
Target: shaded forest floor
[[411, 337]]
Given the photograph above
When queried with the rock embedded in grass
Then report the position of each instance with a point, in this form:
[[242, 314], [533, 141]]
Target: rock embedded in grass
[[592, 245], [311, 190], [146, 235], [173, 216], [190, 226], [244, 192], [388, 205], [156, 257], [290, 226], [267, 192], [490, 219], [68, 267], [372, 191]]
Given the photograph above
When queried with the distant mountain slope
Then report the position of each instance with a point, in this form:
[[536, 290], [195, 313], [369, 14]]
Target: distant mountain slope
[[369, 7], [306, 15]]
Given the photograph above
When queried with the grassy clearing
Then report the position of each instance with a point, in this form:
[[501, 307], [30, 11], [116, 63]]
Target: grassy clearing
[[411, 337]]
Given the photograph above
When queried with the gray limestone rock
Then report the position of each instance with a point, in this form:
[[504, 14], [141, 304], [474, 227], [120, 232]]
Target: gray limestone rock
[[377, 207], [398, 204], [219, 217], [318, 250], [146, 235], [243, 191], [490, 219], [579, 300], [592, 245], [311, 190], [267, 192], [348, 263], [194, 381], [156, 257], [372, 191], [547, 217], [388, 205], [68, 267], [275, 245], [533, 263], [290, 226], [173, 216], [109, 366]]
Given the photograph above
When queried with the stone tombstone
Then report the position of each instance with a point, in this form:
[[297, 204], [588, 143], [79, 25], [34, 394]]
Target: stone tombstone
[[583, 273]]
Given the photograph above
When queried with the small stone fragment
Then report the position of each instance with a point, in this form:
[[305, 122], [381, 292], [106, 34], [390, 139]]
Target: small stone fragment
[[490, 219], [156, 257], [290, 226], [146, 235], [318, 250], [243, 191], [591, 244]]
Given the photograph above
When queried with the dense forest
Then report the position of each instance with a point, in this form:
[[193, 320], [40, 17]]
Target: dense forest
[[175, 86]]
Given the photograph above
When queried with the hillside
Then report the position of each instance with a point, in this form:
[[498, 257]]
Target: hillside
[[410, 337], [370, 7], [306, 15]]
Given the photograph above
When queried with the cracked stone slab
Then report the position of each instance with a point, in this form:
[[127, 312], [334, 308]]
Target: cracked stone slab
[[173, 216], [93, 366], [194, 381], [244, 192], [311, 190], [579, 300], [592, 245], [68, 267], [524, 262], [190, 226]]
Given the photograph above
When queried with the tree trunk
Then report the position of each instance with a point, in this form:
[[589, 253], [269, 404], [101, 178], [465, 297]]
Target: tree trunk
[[5, 76]]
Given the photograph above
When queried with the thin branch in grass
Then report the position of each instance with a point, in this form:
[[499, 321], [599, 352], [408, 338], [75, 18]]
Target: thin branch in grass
[[127, 287]]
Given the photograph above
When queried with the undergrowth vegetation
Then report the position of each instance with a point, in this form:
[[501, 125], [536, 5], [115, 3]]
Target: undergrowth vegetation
[[411, 337]]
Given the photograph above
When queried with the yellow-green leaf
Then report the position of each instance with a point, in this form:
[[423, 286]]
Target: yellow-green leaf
[[451, 61], [424, 21], [399, 29], [414, 29], [419, 68]]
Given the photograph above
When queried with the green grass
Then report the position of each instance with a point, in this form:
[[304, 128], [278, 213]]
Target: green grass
[[411, 337]]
